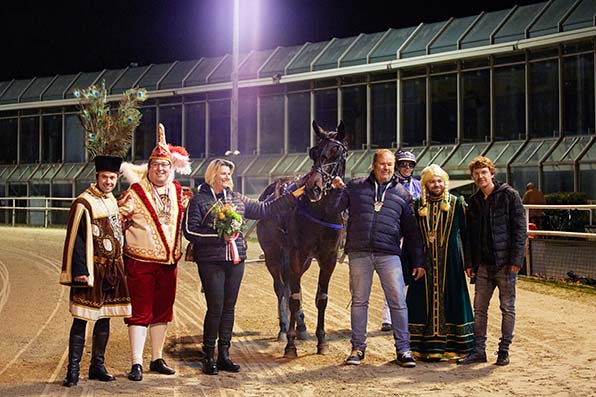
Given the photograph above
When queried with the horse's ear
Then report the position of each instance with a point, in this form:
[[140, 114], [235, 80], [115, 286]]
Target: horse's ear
[[341, 131], [319, 131]]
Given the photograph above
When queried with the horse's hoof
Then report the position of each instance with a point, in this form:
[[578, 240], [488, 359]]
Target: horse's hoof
[[290, 352], [323, 349], [282, 337], [302, 335]]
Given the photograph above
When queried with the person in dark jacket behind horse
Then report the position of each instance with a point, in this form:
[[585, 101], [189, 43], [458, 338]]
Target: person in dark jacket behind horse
[[380, 214], [220, 260], [497, 238]]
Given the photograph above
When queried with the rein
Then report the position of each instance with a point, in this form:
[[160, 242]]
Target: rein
[[308, 216]]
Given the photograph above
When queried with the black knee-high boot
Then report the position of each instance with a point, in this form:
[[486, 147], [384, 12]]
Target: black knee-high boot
[[97, 369], [224, 362], [76, 344], [209, 366]]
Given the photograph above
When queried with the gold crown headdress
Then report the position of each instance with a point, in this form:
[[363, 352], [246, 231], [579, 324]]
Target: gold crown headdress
[[427, 174]]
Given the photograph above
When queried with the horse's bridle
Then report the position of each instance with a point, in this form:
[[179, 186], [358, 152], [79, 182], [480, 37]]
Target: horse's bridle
[[337, 166]]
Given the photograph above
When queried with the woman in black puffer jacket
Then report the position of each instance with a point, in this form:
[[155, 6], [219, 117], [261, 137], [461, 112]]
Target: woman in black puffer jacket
[[220, 260]]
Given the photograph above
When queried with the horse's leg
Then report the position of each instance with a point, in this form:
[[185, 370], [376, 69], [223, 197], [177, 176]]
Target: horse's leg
[[282, 309], [295, 301], [275, 266], [326, 267], [301, 332]]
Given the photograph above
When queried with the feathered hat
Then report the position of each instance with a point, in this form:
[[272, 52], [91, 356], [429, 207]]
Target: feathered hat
[[109, 136], [427, 174], [175, 155]]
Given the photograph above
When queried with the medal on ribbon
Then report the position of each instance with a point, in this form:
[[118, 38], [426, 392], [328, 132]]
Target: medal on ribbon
[[378, 205]]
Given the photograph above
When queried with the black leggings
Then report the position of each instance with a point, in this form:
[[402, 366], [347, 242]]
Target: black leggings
[[79, 326], [221, 282]]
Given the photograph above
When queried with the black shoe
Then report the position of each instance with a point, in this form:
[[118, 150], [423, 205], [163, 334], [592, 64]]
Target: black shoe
[[355, 357], [227, 365], [209, 366], [386, 327], [136, 372], [97, 369], [502, 357], [100, 373], [224, 362], [160, 366], [472, 358], [76, 343], [406, 359]]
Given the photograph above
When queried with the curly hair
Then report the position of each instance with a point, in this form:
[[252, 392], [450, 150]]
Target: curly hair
[[482, 162]]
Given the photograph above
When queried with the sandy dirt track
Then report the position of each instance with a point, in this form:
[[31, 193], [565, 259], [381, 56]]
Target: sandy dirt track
[[553, 354]]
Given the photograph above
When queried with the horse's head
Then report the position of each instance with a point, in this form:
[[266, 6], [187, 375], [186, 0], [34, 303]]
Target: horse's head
[[329, 160]]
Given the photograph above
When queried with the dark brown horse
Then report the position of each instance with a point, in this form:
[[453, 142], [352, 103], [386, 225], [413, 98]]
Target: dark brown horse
[[293, 239]]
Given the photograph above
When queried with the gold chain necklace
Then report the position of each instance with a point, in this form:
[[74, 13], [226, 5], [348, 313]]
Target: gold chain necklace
[[163, 204]]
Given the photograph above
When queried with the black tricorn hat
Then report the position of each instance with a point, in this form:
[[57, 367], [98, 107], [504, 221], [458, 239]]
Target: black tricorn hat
[[107, 163]]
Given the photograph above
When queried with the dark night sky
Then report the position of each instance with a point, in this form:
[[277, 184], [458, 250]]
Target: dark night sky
[[44, 38]]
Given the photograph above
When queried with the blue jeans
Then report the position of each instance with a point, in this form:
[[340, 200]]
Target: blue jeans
[[486, 281], [221, 282], [388, 267]]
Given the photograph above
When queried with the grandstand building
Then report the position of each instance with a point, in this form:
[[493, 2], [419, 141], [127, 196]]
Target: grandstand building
[[516, 85]]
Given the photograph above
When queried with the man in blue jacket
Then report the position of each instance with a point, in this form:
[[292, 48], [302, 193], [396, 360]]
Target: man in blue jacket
[[497, 238], [380, 215]]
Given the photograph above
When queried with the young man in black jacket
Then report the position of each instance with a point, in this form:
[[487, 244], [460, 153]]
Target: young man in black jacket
[[497, 238]]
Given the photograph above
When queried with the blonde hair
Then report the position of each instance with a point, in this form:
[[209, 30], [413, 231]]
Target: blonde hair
[[427, 174], [482, 162], [380, 152], [213, 169]]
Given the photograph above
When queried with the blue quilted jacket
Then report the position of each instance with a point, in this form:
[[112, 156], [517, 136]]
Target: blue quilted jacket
[[372, 231]]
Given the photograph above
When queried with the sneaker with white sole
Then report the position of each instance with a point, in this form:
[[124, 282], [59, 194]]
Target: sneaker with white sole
[[406, 359], [355, 357]]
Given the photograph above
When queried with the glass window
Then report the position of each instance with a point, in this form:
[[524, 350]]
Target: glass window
[[414, 112], [272, 124], [578, 94], [354, 115], [74, 140], [195, 130], [145, 134], [476, 105], [559, 180], [299, 122], [509, 103], [51, 148], [520, 176], [29, 140], [326, 108], [443, 102], [219, 128], [8, 149], [544, 99], [384, 116], [171, 117], [247, 124]]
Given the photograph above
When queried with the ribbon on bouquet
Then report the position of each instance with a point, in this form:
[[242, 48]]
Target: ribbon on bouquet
[[234, 254]]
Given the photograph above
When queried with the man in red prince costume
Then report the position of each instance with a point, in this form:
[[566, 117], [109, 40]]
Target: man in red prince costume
[[153, 207]]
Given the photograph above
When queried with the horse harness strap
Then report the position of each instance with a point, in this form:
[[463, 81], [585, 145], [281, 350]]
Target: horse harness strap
[[308, 216]]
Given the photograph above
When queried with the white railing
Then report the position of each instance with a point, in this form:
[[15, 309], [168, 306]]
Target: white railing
[[541, 232], [10, 204]]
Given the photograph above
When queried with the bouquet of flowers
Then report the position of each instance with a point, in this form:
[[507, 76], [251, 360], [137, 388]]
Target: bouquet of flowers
[[226, 219]]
